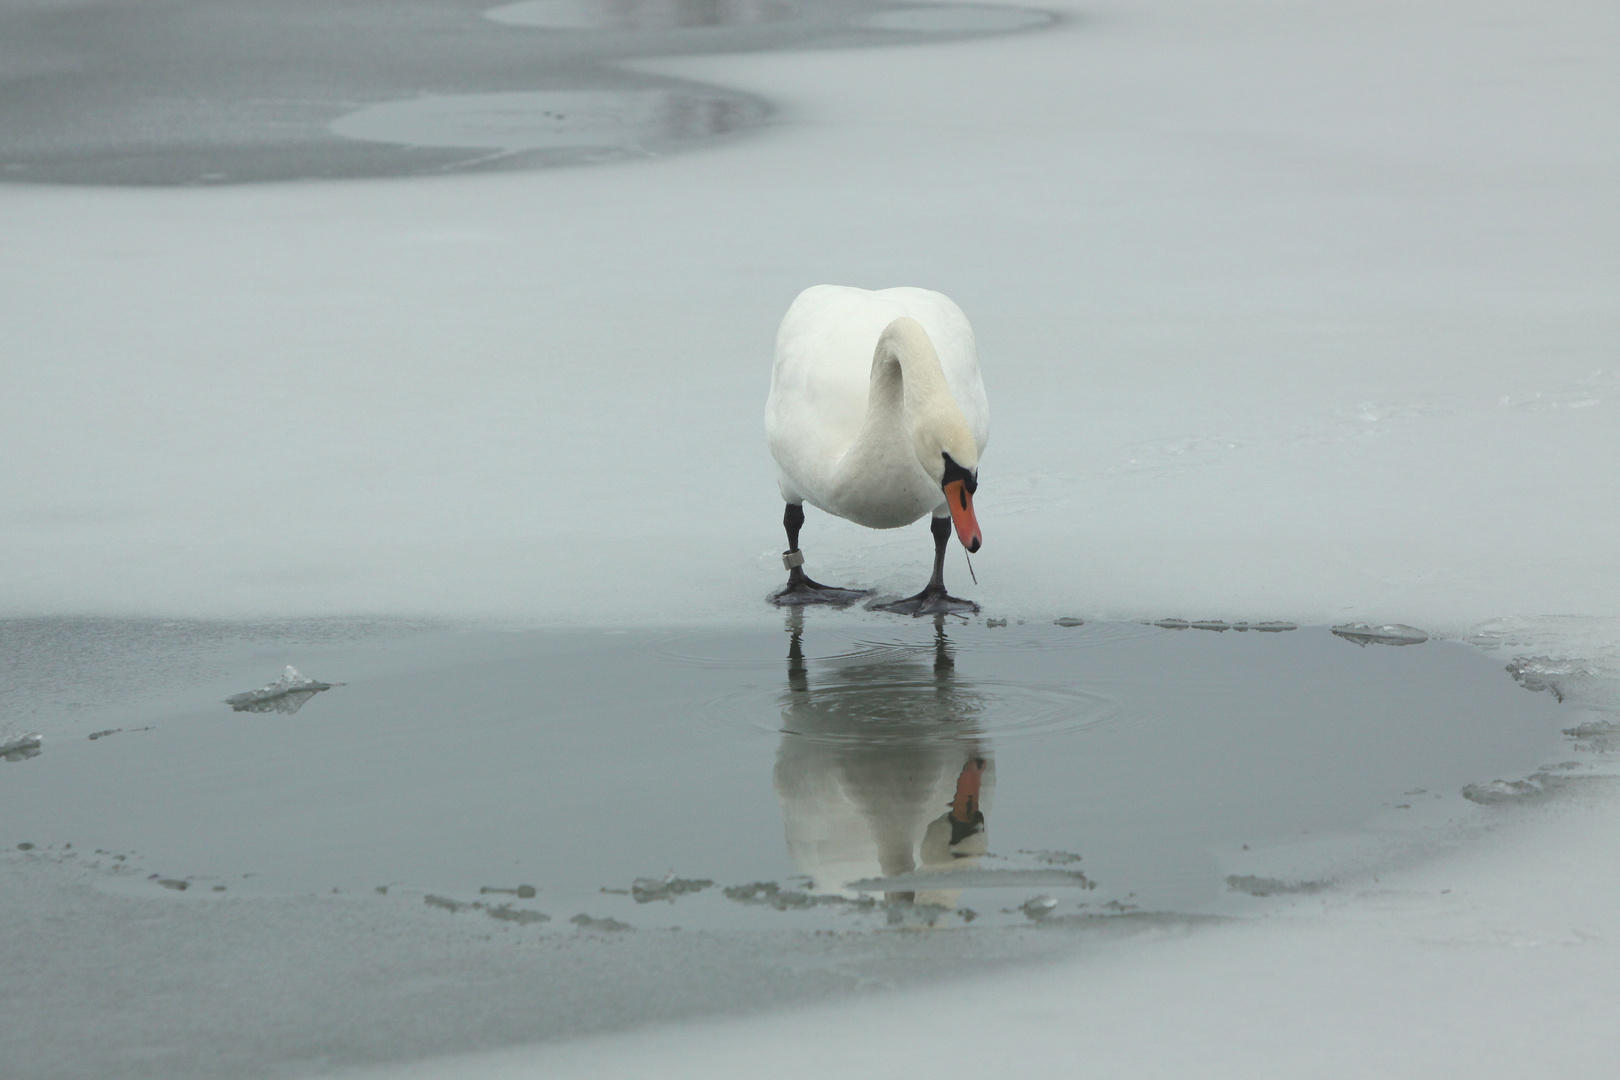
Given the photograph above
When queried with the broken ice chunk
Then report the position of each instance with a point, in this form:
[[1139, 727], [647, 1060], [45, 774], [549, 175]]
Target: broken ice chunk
[[667, 888], [19, 746], [286, 695], [1038, 907], [1390, 634]]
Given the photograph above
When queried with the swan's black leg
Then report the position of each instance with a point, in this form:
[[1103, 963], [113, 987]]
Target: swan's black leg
[[799, 588], [933, 600]]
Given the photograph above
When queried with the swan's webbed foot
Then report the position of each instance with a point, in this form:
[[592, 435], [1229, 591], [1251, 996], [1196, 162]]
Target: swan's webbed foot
[[809, 592], [804, 591], [800, 590], [933, 600]]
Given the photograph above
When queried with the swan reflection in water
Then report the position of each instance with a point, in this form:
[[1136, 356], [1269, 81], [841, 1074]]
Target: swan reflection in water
[[883, 770]]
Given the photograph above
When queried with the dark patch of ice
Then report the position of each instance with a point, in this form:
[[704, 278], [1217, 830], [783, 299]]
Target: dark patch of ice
[[1052, 858], [521, 916], [137, 101], [444, 902], [974, 879], [94, 735], [1494, 792], [770, 894], [522, 892], [1065, 621], [19, 746], [646, 890], [902, 914], [586, 922], [1265, 886]]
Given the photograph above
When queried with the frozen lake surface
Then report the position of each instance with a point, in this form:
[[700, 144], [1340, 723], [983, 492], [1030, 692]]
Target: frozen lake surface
[[1287, 312], [790, 779]]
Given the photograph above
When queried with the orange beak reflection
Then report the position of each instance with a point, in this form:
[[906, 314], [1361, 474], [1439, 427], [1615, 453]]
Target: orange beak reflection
[[966, 804], [960, 501]]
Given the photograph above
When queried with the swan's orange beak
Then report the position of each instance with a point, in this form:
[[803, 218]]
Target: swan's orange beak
[[960, 501], [966, 803]]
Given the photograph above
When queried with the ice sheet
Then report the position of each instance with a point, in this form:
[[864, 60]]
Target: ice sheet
[[1249, 346]]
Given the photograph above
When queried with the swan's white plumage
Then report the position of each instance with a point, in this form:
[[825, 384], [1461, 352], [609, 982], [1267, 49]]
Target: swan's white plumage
[[829, 451]]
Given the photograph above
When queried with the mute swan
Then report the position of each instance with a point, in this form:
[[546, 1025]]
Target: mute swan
[[877, 414]]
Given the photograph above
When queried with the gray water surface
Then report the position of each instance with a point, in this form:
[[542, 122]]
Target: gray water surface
[[472, 839], [1120, 764], [232, 91]]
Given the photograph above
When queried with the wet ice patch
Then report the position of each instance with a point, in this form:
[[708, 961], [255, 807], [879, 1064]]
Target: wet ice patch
[[253, 115], [638, 15], [557, 123], [286, 695]]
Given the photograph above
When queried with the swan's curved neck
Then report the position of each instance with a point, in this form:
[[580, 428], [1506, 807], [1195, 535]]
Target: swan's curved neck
[[908, 387], [893, 468]]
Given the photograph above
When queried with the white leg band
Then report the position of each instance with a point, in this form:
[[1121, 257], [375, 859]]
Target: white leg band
[[791, 559]]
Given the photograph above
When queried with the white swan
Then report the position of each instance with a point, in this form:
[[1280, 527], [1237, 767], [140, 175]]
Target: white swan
[[877, 414]]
